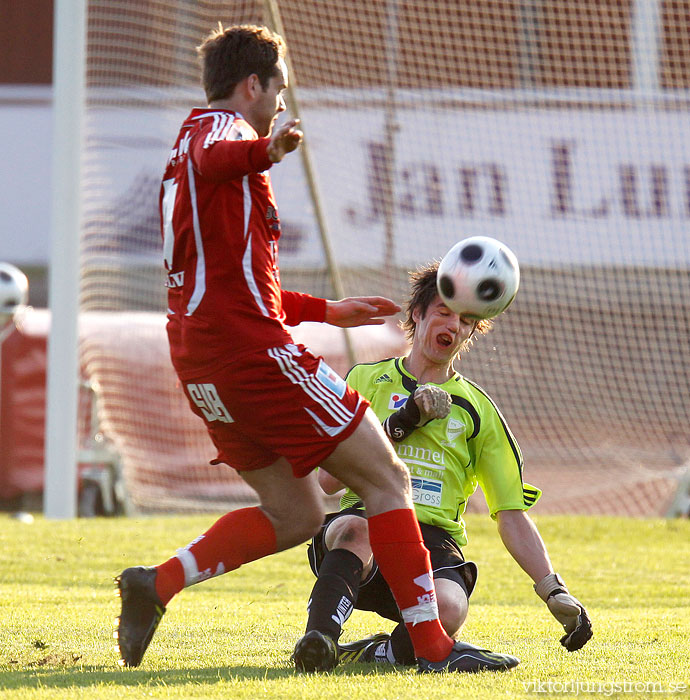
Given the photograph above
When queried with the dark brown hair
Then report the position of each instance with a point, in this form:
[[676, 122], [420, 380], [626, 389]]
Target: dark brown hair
[[422, 294], [229, 55]]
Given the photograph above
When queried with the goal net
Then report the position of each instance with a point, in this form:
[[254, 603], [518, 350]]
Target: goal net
[[560, 128]]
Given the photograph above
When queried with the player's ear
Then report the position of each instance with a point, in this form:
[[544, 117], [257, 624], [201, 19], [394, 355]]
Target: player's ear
[[253, 84]]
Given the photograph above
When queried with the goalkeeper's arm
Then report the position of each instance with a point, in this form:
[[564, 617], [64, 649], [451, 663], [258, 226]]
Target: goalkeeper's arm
[[425, 403], [522, 539]]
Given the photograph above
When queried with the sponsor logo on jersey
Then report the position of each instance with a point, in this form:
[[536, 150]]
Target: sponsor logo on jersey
[[331, 379], [426, 492], [175, 279], [454, 429], [181, 150], [397, 401], [383, 378], [422, 456]]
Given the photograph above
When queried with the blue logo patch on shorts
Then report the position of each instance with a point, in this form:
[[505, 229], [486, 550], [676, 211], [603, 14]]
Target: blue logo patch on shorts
[[331, 379]]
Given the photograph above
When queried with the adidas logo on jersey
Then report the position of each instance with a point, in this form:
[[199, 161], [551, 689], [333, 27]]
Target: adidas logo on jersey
[[383, 378]]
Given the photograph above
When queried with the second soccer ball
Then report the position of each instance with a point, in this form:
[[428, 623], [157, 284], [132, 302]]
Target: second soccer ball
[[478, 277]]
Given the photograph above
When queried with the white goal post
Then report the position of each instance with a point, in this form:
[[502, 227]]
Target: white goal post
[[69, 51]]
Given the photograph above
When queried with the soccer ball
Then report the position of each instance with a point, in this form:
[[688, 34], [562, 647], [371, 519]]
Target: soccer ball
[[478, 277], [14, 291]]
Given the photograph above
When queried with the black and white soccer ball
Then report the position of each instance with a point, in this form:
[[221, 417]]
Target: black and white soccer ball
[[478, 277], [14, 292]]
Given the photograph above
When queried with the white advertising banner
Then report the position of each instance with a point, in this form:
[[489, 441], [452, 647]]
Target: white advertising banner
[[559, 186]]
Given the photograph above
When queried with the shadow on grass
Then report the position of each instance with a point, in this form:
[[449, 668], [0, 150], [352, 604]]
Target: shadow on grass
[[90, 676]]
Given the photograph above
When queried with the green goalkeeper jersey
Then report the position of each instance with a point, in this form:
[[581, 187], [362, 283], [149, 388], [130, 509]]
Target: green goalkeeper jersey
[[448, 458]]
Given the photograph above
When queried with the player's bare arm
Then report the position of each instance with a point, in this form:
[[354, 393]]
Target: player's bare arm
[[360, 311], [522, 539], [285, 139]]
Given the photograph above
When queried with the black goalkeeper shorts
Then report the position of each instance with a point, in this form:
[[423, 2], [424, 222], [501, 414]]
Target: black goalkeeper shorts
[[374, 595]]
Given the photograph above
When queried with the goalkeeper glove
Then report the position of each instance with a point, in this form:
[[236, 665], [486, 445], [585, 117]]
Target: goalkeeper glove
[[567, 610], [425, 403]]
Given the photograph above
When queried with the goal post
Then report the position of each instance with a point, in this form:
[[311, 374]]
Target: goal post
[[559, 128], [60, 490]]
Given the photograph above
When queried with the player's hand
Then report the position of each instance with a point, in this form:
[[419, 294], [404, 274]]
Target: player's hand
[[567, 610], [432, 402], [284, 139], [359, 311]]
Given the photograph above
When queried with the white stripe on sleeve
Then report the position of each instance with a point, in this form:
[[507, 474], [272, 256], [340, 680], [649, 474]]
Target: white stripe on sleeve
[[200, 276]]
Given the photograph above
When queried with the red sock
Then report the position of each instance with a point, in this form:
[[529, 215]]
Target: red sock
[[238, 537], [399, 550]]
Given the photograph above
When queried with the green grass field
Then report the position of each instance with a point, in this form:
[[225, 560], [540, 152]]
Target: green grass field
[[231, 637]]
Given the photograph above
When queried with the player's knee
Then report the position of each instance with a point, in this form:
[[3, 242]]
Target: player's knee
[[401, 476], [351, 532], [452, 608], [393, 476], [387, 487], [311, 522], [452, 617], [296, 529]]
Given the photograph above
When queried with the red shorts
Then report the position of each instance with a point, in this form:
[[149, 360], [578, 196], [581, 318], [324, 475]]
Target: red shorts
[[280, 402]]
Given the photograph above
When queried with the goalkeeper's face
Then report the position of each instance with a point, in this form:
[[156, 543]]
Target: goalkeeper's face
[[440, 333]]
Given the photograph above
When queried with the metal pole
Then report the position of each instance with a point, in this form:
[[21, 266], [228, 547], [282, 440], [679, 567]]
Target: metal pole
[[645, 45], [390, 131], [528, 56], [60, 489], [309, 172]]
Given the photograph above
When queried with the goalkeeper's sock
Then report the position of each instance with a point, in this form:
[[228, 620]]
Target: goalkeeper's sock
[[400, 647], [334, 594], [397, 544], [238, 537]]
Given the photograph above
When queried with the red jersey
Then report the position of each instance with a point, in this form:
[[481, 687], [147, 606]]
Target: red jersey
[[220, 231]]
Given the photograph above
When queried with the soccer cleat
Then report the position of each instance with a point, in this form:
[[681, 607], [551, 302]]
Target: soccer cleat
[[466, 658], [363, 650], [142, 610], [315, 652]]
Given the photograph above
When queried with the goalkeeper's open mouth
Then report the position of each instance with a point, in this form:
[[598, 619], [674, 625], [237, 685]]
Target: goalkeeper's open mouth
[[445, 340]]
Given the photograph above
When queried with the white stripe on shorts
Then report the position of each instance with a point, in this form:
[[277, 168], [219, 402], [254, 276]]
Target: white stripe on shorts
[[328, 400], [312, 386], [327, 429]]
